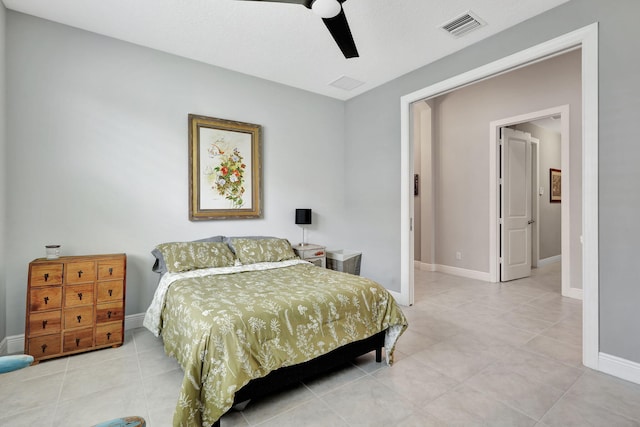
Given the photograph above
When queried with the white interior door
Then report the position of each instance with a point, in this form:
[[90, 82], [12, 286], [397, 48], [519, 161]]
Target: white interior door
[[515, 205], [535, 202]]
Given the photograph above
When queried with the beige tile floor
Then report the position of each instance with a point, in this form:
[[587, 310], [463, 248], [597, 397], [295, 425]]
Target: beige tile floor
[[475, 354]]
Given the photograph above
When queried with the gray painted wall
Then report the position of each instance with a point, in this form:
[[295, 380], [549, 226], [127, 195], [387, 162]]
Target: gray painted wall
[[373, 138], [97, 153], [549, 221], [3, 175]]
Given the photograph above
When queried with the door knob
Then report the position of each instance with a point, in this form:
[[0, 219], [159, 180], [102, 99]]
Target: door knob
[[531, 221]]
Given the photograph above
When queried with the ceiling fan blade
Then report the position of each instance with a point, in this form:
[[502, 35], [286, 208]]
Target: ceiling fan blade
[[339, 29], [305, 3]]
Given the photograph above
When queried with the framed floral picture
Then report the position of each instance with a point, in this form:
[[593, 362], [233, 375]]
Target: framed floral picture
[[555, 186], [224, 169]]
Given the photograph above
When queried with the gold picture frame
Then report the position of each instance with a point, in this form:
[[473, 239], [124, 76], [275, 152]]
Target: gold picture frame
[[555, 186], [224, 169]]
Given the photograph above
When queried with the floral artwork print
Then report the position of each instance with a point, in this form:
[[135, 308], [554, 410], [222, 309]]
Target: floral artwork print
[[227, 178], [224, 169]]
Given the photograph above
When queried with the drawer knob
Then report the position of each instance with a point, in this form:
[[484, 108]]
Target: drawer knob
[[46, 276], [79, 318], [80, 273], [80, 295], [44, 324], [110, 292], [77, 342], [109, 314], [108, 336], [110, 271], [46, 300], [43, 347]]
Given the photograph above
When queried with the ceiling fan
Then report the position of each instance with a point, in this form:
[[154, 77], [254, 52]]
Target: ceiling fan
[[334, 18]]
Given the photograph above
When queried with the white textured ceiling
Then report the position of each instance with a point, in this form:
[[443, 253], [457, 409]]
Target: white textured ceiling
[[288, 43]]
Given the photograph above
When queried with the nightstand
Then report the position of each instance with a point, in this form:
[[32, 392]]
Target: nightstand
[[315, 254]]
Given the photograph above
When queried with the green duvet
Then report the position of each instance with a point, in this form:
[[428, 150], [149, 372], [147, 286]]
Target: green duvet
[[226, 330]]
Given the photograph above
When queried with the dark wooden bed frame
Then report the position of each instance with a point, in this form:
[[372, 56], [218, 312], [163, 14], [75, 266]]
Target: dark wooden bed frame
[[283, 377]]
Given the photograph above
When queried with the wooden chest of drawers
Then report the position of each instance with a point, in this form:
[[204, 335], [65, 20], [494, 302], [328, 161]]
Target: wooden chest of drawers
[[75, 304]]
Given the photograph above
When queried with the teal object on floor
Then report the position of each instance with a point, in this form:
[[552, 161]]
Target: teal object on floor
[[124, 422], [13, 363]]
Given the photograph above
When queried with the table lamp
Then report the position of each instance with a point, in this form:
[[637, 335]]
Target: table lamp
[[303, 217]]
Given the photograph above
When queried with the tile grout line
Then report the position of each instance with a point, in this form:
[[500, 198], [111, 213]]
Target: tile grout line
[[144, 393], [562, 397], [506, 403], [58, 400]]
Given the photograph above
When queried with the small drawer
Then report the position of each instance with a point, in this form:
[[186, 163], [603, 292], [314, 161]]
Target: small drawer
[[109, 312], [78, 339], [78, 295], [47, 298], [44, 323], [112, 290], [45, 346], [310, 253], [80, 272], [109, 333], [46, 274], [78, 317], [111, 269]]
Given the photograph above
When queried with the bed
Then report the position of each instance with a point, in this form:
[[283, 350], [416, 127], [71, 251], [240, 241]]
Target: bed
[[242, 315]]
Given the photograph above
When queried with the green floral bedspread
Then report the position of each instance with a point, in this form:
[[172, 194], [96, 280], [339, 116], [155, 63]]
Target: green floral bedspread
[[225, 330]]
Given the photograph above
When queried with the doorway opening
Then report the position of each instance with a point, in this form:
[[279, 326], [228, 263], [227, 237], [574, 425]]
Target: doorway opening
[[569, 288], [586, 39]]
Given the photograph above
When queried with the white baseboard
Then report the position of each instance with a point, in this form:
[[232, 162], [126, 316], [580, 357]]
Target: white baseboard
[[15, 343], [463, 272], [619, 367], [550, 260], [133, 321], [470, 274], [575, 293], [424, 266]]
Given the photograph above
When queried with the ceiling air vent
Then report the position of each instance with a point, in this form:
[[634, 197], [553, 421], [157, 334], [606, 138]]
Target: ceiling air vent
[[346, 83], [462, 24]]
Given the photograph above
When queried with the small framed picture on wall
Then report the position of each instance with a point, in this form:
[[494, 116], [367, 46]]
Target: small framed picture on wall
[[555, 186]]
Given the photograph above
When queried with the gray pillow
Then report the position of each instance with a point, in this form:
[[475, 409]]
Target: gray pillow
[[160, 266]]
